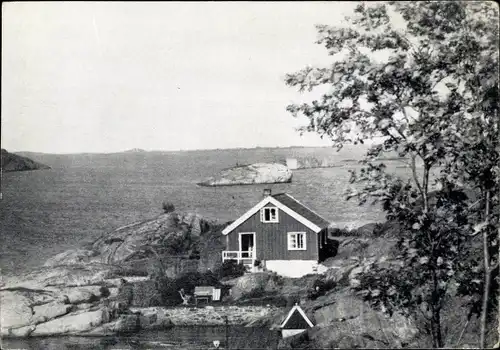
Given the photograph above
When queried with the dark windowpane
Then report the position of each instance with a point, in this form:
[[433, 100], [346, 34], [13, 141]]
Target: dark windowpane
[[266, 215]]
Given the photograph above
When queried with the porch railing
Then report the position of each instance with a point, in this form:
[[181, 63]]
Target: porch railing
[[245, 257]]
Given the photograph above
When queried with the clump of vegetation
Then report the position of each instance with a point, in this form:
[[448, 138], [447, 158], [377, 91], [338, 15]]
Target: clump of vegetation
[[450, 138], [168, 207], [231, 269], [320, 287], [169, 288]]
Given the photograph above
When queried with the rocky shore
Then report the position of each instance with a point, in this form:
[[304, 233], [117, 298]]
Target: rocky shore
[[85, 301], [97, 291], [105, 288]]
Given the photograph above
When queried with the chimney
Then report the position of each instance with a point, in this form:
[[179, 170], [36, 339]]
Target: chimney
[[267, 192]]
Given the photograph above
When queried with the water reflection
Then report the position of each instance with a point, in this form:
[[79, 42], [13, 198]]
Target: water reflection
[[182, 338]]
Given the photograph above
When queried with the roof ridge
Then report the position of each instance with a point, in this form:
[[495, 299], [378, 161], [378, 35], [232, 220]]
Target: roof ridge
[[305, 206]]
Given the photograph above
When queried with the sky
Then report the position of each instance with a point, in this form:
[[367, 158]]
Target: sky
[[111, 76]]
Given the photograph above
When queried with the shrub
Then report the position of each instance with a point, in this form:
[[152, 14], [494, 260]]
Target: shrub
[[320, 287], [230, 268], [190, 280], [169, 288], [104, 291], [335, 232], [168, 207]]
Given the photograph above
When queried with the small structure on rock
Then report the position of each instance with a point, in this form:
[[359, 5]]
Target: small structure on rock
[[296, 322]]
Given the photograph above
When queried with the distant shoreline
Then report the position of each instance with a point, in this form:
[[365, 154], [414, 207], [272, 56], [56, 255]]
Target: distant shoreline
[[142, 151]]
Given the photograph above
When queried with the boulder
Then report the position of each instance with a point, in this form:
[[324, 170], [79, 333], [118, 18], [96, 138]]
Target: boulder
[[70, 324], [249, 283], [15, 312], [195, 222], [21, 332], [258, 173], [71, 257], [79, 296], [45, 312]]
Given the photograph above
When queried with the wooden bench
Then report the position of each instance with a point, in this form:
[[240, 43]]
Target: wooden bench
[[206, 293]]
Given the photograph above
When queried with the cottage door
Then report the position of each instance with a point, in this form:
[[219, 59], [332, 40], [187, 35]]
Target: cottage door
[[247, 244]]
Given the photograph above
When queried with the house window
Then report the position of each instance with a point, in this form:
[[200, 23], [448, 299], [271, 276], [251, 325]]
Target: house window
[[269, 214], [296, 241]]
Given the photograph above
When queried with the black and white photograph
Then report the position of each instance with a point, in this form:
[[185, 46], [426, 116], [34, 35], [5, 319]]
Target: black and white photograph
[[250, 175]]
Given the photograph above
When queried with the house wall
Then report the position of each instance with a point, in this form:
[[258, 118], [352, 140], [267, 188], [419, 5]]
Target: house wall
[[272, 239], [293, 268]]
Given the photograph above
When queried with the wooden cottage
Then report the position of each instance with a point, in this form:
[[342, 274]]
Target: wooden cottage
[[295, 322], [280, 232]]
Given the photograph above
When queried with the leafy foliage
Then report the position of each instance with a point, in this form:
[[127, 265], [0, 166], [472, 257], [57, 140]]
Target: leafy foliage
[[168, 207], [169, 288], [320, 287], [421, 78], [231, 269]]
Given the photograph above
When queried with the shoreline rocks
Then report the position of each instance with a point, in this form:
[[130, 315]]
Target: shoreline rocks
[[258, 173], [47, 302]]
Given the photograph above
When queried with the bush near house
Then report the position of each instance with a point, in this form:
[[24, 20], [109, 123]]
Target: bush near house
[[231, 269], [169, 288]]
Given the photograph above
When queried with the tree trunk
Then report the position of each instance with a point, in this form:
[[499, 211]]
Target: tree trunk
[[437, 340], [487, 275]]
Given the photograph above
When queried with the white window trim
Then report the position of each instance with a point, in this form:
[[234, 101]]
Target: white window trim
[[262, 215], [304, 240]]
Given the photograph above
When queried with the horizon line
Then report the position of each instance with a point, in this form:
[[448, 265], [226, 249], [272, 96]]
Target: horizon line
[[140, 150]]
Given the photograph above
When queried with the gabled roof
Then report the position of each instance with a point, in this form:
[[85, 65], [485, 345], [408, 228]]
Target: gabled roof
[[289, 205], [301, 209], [295, 319]]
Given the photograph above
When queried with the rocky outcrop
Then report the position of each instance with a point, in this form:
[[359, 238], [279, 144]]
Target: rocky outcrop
[[258, 173], [14, 162], [135, 247], [52, 305], [91, 291], [59, 300], [345, 317]]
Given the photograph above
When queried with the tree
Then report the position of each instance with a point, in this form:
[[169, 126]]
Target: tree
[[473, 156], [402, 74]]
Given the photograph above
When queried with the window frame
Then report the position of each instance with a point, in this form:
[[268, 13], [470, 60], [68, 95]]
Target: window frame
[[263, 215], [296, 234]]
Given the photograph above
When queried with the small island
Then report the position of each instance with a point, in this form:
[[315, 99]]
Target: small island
[[258, 173], [14, 162], [135, 150]]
